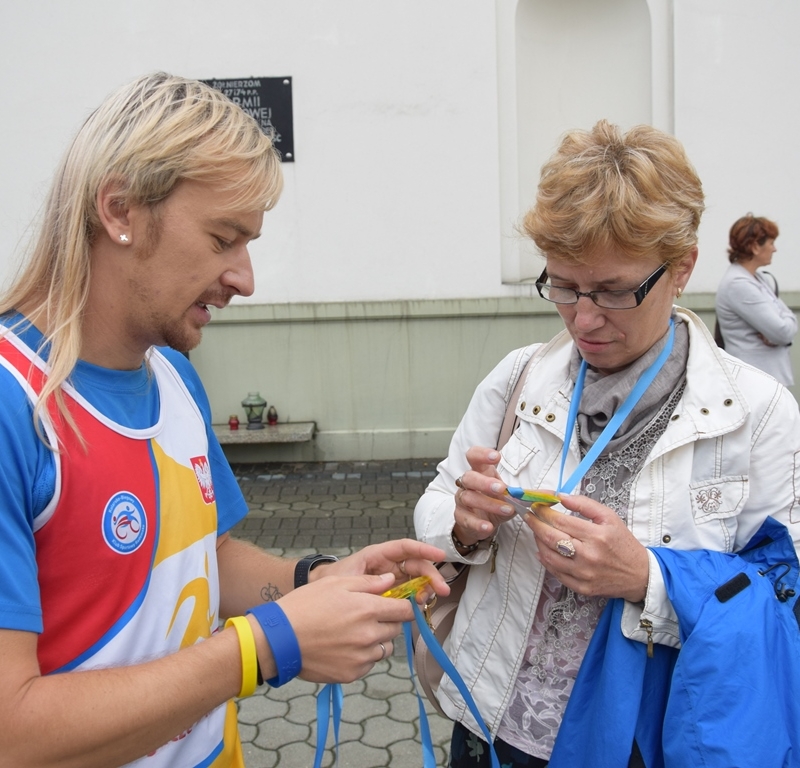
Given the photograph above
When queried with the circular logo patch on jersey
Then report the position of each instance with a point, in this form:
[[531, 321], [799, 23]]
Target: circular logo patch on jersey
[[124, 523]]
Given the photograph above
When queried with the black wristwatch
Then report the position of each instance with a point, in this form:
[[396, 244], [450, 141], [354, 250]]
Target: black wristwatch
[[305, 564]]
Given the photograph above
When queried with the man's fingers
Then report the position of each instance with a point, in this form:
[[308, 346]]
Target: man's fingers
[[376, 585]]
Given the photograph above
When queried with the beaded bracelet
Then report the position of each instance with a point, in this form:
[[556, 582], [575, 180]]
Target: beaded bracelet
[[468, 547], [282, 640], [247, 647]]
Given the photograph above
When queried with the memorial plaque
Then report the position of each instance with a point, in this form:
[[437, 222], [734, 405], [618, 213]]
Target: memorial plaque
[[269, 101]]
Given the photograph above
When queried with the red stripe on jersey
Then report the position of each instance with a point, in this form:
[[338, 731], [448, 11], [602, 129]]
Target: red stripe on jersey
[[87, 585]]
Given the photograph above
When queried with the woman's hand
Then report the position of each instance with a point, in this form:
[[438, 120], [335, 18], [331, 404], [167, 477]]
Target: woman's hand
[[765, 340], [597, 556], [480, 506]]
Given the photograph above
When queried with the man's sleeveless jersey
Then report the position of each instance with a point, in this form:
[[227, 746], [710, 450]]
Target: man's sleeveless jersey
[[126, 550]]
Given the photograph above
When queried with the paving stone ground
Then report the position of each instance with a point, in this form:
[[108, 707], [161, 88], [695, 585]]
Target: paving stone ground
[[336, 508]]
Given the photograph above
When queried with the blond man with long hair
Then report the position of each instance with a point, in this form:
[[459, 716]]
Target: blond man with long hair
[[129, 618]]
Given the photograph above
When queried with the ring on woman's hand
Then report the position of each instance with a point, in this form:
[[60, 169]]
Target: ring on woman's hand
[[565, 547], [402, 567], [383, 651], [460, 481], [459, 494]]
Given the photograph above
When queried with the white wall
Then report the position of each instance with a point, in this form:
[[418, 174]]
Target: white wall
[[737, 80], [563, 65], [394, 193], [396, 190]]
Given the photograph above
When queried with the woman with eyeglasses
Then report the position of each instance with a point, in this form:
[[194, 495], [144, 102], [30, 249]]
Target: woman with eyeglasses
[[651, 435], [755, 324]]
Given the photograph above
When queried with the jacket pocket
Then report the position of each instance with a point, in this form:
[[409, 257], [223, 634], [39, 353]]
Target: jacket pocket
[[719, 498], [517, 453]]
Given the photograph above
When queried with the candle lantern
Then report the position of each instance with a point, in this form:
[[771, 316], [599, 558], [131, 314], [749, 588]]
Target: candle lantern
[[254, 406], [272, 416]]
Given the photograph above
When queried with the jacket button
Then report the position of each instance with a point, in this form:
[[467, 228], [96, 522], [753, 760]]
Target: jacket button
[[728, 402], [675, 417], [522, 405], [666, 539], [550, 417], [704, 411], [536, 409]]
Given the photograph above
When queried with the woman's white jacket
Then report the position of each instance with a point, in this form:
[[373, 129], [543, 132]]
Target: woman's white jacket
[[728, 458]]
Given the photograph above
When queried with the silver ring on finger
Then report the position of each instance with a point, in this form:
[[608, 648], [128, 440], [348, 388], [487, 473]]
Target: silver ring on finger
[[565, 548], [383, 651], [460, 481]]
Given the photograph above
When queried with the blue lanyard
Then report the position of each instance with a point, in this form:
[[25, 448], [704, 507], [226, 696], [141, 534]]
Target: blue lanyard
[[330, 700], [438, 653], [622, 413]]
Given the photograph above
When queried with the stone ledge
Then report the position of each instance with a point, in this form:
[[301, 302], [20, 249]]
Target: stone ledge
[[287, 432]]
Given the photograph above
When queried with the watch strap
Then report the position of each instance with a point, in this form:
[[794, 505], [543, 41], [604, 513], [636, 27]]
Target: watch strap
[[305, 564]]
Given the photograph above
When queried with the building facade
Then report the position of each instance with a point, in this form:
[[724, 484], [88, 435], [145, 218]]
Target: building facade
[[391, 276]]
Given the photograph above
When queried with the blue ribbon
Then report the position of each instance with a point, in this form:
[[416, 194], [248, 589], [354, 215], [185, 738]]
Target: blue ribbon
[[622, 413], [428, 759], [447, 665], [330, 697]]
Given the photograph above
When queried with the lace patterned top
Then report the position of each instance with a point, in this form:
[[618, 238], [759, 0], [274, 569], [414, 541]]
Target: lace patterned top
[[565, 621]]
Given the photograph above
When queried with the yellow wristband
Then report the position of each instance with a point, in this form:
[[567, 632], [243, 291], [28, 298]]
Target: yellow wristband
[[247, 647]]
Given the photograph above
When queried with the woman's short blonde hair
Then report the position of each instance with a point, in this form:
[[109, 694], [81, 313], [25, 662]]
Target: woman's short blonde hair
[[635, 191]]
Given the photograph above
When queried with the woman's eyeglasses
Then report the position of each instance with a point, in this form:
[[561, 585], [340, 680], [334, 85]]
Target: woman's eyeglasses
[[629, 299]]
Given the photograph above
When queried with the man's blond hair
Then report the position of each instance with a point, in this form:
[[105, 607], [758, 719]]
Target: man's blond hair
[[145, 138]]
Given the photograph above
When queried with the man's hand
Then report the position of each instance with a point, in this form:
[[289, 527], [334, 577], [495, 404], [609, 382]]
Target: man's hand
[[403, 558], [343, 625]]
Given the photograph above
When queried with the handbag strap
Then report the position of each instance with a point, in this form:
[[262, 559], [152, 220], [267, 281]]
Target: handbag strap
[[770, 280], [510, 419]]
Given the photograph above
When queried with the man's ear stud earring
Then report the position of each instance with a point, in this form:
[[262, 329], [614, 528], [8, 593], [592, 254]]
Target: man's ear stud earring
[[123, 238]]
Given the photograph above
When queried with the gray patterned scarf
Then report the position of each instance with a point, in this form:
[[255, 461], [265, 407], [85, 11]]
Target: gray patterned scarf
[[602, 395]]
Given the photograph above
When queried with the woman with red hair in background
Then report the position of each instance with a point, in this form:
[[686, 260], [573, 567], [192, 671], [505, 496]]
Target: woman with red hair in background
[[756, 325]]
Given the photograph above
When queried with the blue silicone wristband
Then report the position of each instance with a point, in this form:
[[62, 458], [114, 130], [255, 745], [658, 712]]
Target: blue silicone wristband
[[282, 640]]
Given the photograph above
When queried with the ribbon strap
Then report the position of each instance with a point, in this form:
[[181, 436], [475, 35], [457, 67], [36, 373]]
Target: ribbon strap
[[447, 665], [329, 698], [622, 413], [428, 758]]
